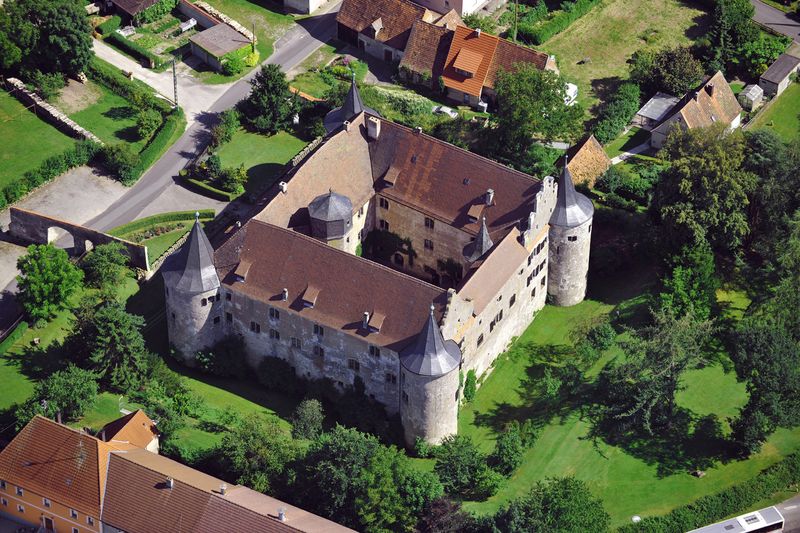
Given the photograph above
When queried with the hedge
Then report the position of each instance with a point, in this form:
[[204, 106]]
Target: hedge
[[540, 32], [118, 83], [79, 154], [13, 337], [173, 123], [617, 113], [729, 502], [130, 47], [175, 216], [202, 187], [109, 26]]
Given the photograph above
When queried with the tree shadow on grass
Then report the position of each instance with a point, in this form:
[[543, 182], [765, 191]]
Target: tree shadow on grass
[[129, 134], [262, 177], [604, 89], [37, 362], [120, 113]]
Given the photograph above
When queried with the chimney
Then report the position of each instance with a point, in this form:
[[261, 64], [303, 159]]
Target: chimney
[[347, 126], [283, 186], [477, 32], [285, 294], [489, 196], [373, 128], [170, 482], [365, 320], [418, 130], [103, 435], [223, 489], [282, 514]]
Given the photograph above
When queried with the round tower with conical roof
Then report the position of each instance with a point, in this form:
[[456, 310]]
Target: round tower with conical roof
[[191, 292], [350, 108], [331, 217], [570, 242], [429, 385]]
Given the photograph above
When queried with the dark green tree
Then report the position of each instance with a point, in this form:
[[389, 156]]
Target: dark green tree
[[691, 284], [69, 392], [443, 515], [732, 28], [106, 267], [147, 122], [307, 419], [116, 347], [531, 105], [463, 469], [271, 106], [562, 505], [672, 70], [508, 450], [47, 279]]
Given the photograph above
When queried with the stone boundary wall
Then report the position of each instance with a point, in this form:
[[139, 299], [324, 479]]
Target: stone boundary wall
[[227, 20], [51, 113], [204, 19]]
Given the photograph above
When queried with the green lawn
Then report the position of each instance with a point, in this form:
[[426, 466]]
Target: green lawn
[[783, 115], [263, 156], [311, 82], [632, 138], [112, 118], [737, 87], [611, 33], [25, 140]]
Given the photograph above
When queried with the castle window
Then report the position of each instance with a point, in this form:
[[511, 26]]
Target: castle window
[[512, 301], [530, 278], [274, 314], [4, 502], [20, 492], [73, 513], [530, 258], [353, 365], [274, 334], [166, 290], [2, 484], [204, 302], [255, 326], [173, 316], [374, 351], [90, 520], [319, 351], [590, 229], [216, 320], [500, 298], [384, 225], [391, 378], [544, 281], [428, 223], [228, 296], [20, 508], [384, 203], [228, 317], [319, 330], [480, 339], [405, 397], [46, 502], [75, 530], [533, 293], [361, 211], [296, 343], [572, 238], [428, 244]]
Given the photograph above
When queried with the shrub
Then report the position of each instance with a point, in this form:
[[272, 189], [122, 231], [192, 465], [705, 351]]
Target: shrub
[[470, 386], [571, 11], [232, 179], [121, 161], [147, 121], [463, 471], [616, 201], [602, 335], [109, 26], [156, 11], [232, 65], [307, 419], [508, 450], [483, 23], [47, 85], [227, 358], [174, 122], [619, 111], [223, 131]]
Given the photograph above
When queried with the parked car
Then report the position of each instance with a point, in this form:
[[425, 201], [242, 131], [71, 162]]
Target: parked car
[[444, 110]]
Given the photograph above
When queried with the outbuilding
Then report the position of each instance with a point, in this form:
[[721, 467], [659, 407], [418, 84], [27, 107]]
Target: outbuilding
[[777, 77], [751, 97], [213, 44], [655, 110]]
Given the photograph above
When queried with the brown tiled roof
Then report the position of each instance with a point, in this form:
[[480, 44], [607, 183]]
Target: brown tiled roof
[[57, 462], [483, 45], [136, 428], [219, 40], [427, 49], [444, 181], [138, 499], [397, 17], [348, 285], [134, 7], [713, 102], [450, 20], [509, 54], [587, 161]]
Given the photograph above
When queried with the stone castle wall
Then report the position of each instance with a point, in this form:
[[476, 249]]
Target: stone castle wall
[[569, 263]]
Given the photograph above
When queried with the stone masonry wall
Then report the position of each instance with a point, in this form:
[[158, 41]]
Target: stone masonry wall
[[429, 406], [569, 263], [227, 20], [191, 325]]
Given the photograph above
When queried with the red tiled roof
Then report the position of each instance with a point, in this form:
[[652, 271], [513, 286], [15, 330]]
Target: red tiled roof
[[397, 17], [713, 102], [476, 44], [508, 55], [136, 428]]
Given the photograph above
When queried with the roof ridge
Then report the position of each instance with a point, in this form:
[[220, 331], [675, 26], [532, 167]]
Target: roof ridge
[[353, 257]]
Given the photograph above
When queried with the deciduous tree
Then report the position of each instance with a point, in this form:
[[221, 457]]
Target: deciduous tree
[[47, 279], [691, 284], [105, 267], [307, 419], [463, 469], [69, 392]]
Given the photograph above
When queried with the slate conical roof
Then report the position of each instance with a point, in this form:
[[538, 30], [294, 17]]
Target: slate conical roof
[[191, 268], [430, 354], [351, 107], [572, 208], [482, 244], [331, 207]]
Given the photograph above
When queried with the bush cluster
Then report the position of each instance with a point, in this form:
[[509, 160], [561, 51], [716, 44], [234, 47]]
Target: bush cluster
[[132, 48], [628, 186], [560, 21], [617, 113], [731, 501], [156, 11], [117, 83], [80, 154], [109, 26]]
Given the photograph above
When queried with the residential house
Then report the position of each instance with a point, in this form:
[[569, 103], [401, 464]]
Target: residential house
[[711, 103], [382, 27], [135, 428], [777, 77], [426, 53], [475, 60], [462, 7], [586, 160]]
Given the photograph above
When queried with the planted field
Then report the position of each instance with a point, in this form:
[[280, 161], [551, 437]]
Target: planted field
[[25, 140], [593, 52], [783, 115]]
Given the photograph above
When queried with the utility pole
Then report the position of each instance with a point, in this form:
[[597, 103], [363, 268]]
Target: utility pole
[[516, 18], [253, 40], [175, 82]]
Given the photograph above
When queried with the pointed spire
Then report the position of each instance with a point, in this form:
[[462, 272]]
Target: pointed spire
[[572, 208], [191, 268], [430, 354], [481, 245], [351, 107]]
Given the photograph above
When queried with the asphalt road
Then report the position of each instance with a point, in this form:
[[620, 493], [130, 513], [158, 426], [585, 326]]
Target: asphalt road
[[777, 20], [790, 509], [291, 49]]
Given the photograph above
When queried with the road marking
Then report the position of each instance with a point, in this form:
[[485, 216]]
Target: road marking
[[790, 507]]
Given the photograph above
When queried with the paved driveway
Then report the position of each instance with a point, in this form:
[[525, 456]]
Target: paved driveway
[[777, 20]]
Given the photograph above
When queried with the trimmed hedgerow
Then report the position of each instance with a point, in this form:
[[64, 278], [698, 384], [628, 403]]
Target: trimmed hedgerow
[[560, 21], [731, 501], [617, 113], [203, 187], [130, 47], [173, 123], [135, 92], [175, 216]]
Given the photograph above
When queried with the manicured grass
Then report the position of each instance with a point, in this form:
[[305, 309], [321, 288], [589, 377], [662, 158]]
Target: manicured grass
[[157, 246], [632, 138], [783, 115], [25, 140], [111, 118], [263, 156], [612, 32], [311, 82]]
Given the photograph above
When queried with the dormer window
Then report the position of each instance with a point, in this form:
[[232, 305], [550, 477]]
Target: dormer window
[[241, 270], [310, 296], [475, 211], [467, 62]]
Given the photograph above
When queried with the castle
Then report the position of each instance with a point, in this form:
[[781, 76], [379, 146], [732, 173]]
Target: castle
[[464, 253]]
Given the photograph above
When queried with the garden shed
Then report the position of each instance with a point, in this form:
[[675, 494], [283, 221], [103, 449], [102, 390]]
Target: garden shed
[[213, 44], [751, 97], [775, 80], [655, 110]]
